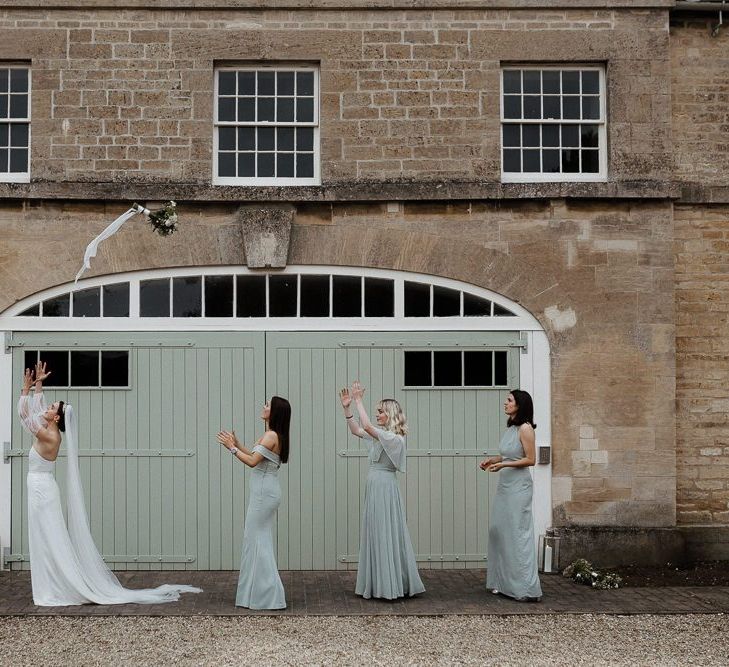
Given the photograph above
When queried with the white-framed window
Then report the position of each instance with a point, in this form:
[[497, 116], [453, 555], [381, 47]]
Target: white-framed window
[[14, 123], [266, 125], [553, 123]]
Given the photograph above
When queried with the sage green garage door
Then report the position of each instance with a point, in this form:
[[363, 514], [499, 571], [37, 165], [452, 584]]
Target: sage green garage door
[[162, 494]]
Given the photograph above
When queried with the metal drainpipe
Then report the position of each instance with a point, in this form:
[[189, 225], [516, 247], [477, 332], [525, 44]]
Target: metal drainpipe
[[702, 6]]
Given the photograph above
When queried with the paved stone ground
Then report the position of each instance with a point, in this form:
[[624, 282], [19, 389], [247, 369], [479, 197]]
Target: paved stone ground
[[449, 592]]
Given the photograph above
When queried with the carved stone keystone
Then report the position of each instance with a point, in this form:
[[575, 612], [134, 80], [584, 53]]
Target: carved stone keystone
[[266, 235]]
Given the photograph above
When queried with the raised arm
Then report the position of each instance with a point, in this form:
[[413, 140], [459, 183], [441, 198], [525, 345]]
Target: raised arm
[[364, 419], [354, 427], [30, 410], [229, 440], [527, 439]]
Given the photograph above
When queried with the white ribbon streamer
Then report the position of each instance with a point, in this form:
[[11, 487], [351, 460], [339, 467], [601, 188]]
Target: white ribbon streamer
[[112, 229]]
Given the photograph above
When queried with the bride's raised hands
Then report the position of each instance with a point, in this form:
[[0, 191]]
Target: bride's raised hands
[[40, 371], [345, 398], [28, 380]]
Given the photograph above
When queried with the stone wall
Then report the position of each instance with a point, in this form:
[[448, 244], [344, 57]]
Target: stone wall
[[122, 96]]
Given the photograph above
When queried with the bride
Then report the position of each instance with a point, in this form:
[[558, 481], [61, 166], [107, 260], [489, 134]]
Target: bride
[[65, 566]]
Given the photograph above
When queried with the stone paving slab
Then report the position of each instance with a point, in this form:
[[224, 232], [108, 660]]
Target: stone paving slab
[[449, 592]]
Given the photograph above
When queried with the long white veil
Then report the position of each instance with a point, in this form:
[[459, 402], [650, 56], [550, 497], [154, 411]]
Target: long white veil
[[96, 573]]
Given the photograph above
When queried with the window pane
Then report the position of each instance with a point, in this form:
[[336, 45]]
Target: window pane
[[246, 165], [550, 135], [570, 136], [246, 138], [285, 109], [570, 107], [446, 302], [314, 296], [218, 296], [305, 165], [512, 135], [304, 109], [226, 138], [552, 108], [590, 82], [285, 138], [226, 108], [550, 81], [347, 296], [84, 368], [18, 80], [154, 298], [512, 106], [285, 165], [530, 135], [512, 160], [447, 369], [570, 82], [531, 161], [87, 303], [266, 165], [4, 135], [500, 311], [474, 306], [4, 159], [589, 136], [32, 311], [590, 108], [57, 363], [590, 162], [116, 300], [19, 160], [478, 369], [266, 109], [226, 83], [285, 83], [282, 296], [305, 139], [500, 374], [418, 372], [266, 83], [115, 368], [18, 106], [512, 81], [532, 106], [4, 104], [246, 109], [226, 164], [4, 80], [417, 299], [266, 138], [58, 306], [187, 296], [19, 135], [550, 161], [251, 296], [532, 81], [246, 83], [29, 359], [571, 161], [305, 83], [379, 297]]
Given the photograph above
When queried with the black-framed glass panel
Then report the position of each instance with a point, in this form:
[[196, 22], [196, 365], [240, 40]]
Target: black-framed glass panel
[[418, 369], [315, 294], [379, 297], [282, 295], [446, 302], [251, 296], [59, 306], [84, 368], [57, 362], [500, 311], [478, 368], [417, 299], [87, 302], [218, 296], [501, 377], [154, 297], [447, 369], [114, 368], [187, 296], [347, 296], [475, 306], [116, 300]]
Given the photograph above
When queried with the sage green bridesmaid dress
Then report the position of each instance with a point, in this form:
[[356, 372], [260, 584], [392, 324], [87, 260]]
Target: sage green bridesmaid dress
[[512, 563]]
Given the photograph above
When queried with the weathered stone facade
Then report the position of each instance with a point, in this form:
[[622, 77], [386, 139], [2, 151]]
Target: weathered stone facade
[[122, 110]]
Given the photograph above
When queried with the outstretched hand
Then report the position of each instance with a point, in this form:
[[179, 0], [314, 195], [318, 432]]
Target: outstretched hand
[[345, 398], [28, 379], [40, 371], [357, 390], [227, 439]]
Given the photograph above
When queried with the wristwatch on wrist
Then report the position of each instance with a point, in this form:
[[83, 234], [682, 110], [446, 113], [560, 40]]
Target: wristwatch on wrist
[[233, 450]]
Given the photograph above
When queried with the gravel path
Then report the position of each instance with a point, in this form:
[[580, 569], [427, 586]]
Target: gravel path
[[486, 640]]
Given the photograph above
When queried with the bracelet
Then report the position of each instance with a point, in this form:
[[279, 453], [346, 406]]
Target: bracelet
[[350, 417]]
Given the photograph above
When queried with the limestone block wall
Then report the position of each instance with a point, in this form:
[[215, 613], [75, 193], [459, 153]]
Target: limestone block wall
[[599, 276]]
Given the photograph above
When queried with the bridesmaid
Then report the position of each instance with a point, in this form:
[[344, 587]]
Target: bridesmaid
[[387, 567], [512, 565], [259, 584]]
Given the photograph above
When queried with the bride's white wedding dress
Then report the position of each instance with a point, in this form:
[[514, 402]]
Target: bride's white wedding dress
[[65, 565]]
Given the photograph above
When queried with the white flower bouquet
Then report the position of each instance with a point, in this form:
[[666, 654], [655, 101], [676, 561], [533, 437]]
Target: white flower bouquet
[[163, 221]]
